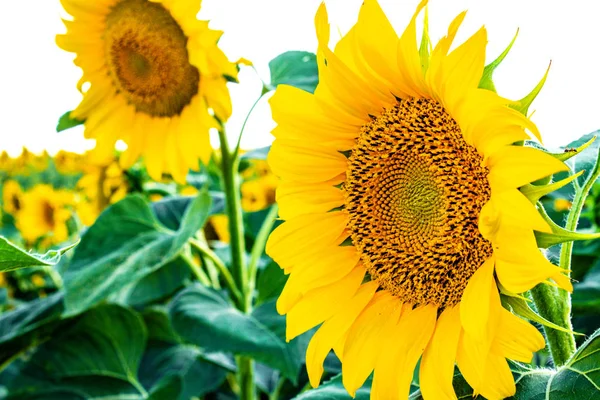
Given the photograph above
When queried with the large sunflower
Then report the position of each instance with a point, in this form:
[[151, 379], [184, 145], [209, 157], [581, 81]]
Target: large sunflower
[[403, 217], [157, 80]]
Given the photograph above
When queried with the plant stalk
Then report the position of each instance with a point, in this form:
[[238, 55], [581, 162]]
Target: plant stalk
[[231, 184]]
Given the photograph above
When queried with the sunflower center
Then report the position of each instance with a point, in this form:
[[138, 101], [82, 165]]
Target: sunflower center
[[147, 58], [414, 191], [48, 213]]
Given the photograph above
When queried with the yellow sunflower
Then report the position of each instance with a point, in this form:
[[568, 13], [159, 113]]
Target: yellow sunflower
[[44, 214], [403, 217], [101, 185], [12, 196], [157, 80]]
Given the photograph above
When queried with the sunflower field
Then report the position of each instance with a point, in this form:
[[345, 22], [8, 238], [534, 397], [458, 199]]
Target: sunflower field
[[407, 234]]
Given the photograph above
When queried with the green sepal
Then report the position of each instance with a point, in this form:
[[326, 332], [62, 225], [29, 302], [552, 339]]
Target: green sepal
[[535, 192], [486, 81], [425, 46], [559, 234], [504, 291], [568, 153], [522, 309], [522, 105]]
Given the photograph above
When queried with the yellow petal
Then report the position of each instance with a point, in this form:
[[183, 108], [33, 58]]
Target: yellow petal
[[395, 367], [478, 300], [498, 382], [321, 303], [437, 364], [363, 343], [311, 234], [296, 161], [409, 60], [295, 198], [517, 339], [514, 166], [333, 330], [462, 70]]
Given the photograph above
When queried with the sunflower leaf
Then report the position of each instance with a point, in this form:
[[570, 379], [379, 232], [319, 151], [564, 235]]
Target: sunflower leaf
[[126, 244], [95, 357], [66, 122], [13, 257], [202, 317], [334, 390], [295, 68]]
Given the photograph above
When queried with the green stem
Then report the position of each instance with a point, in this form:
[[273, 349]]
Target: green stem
[[246, 378], [555, 304], [551, 305], [236, 151], [231, 184], [259, 247], [277, 391], [195, 268], [208, 261], [222, 268]]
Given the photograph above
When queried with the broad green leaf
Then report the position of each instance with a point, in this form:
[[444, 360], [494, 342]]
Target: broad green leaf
[[197, 375], [334, 390], [257, 154], [202, 317], [125, 245], [295, 68], [170, 211], [28, 324], [66, 122], [97, 356], [13, 257], [159, 284], [159, 326]]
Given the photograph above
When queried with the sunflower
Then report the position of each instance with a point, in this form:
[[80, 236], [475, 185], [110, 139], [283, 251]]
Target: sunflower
[[101, 185], [12, 196], [44, 214], [403, 217], [157, 80]]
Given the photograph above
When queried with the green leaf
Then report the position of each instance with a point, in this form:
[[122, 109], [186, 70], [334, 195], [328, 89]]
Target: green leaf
[[202, 317], [159, 326], [12, 257], [97, 356], [159, 284], [256, 154], [170, 211], [28, 324], [295, 68], [197, 375], [271, 280], [66, 122], [334, 390], [125, 245]]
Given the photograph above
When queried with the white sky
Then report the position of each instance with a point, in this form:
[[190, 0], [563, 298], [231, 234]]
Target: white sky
[[37, 80]]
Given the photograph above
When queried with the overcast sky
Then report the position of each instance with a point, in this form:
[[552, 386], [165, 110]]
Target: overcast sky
[[37, 80]]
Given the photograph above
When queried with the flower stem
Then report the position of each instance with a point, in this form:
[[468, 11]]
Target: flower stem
[[555, 304], [556, 308], [195, 268], [231, 184], [259, 247], [222, 268]]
